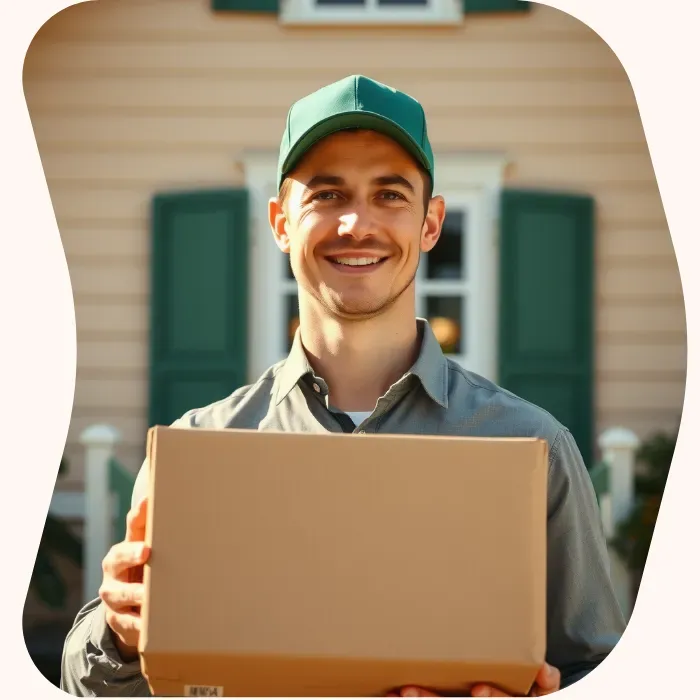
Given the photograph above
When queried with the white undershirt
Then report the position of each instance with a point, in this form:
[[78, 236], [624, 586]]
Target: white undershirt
[[358, 416]]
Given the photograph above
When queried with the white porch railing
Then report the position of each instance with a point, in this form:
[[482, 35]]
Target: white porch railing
[[613, 480], [107, 495], [102, 506]]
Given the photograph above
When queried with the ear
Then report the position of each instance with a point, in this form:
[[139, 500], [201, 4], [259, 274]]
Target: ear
[[278, 224], [432, 226]]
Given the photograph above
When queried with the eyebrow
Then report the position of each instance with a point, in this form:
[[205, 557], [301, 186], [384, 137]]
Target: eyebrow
[[337, 181]]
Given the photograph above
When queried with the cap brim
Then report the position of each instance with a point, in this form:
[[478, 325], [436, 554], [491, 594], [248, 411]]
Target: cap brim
[[352, 120]]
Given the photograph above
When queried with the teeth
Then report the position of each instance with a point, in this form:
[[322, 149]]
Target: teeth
[[356, 261]]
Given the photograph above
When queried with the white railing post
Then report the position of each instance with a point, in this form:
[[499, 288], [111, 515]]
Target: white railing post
[[99, 442], [606, 515], [618, 446]]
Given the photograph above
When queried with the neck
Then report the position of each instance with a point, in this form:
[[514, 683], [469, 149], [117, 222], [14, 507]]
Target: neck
[[360, 360]]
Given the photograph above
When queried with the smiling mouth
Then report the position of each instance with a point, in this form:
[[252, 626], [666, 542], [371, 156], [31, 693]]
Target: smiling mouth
[[356, 263]]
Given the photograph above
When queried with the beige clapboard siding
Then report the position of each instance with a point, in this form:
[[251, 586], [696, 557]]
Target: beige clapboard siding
[[483, 131], [119, 241], [120, 393], [138, 167], [663, 320], [430, 50], [133, 97], [567, 169], [131, 428], [651, 242], [128, 357], [222, 94], [664, 395], [114, 277], [111, 318], [187, 18], [645, 421], [625, 357], [636, 284]]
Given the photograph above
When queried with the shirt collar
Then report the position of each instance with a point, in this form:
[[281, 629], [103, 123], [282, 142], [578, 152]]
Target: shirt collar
[[295, 367], [430, 367]]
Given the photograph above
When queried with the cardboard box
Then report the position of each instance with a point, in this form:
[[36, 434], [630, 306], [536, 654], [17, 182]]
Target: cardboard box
[[288, 564]]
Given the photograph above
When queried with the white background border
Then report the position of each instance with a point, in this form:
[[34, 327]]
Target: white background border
[[657, 44]]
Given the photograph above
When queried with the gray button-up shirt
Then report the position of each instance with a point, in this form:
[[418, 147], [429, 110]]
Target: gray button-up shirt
[[435, 397]]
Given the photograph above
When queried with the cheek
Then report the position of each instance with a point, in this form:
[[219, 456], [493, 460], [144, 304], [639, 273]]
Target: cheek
[[302, 248]]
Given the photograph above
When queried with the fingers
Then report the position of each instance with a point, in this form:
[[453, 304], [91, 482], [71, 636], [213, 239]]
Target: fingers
[[120, 596], [547, 681], [136, 522], [126, 625], [413, 692], [124, 556], [486, 691]]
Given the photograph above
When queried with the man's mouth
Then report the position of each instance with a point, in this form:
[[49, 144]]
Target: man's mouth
[[356, 262]]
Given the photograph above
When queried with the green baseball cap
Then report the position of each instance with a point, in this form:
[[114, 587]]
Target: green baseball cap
[[351, 103]]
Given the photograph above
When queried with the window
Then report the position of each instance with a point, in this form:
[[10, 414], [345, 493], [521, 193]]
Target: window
[[371, 11], [454, 281]]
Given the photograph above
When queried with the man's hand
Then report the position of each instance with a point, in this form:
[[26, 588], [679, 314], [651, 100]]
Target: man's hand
[[547, 681], [121, 591]]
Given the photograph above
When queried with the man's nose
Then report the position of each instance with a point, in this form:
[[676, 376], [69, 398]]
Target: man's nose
[[356, 224]]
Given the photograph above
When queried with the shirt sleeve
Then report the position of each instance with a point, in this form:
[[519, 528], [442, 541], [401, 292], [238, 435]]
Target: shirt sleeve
[[584, 619], [91, 665]]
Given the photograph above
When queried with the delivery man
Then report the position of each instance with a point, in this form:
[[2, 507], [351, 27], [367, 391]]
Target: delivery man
[[355, 211]]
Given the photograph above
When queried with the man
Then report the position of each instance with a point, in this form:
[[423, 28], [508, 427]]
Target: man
[[355, 212]]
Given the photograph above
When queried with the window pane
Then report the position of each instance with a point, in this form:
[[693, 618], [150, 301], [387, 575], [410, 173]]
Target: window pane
[[291, 319], [445, 317], [445, 261]]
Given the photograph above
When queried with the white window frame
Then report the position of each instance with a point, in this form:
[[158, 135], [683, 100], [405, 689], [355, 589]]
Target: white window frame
[[472, 181], [305, 12]]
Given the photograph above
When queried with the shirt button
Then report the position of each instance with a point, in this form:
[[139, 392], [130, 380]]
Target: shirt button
[[317, 388]]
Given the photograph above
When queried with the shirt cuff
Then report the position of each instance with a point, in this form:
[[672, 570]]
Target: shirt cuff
[[102, 651]]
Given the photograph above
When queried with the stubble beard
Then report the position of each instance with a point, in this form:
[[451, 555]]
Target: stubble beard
[[360, 310]]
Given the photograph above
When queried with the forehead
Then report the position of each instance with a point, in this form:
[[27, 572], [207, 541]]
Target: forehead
[[366, 150]]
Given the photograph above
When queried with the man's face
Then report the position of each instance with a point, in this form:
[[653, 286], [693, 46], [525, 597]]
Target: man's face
[[354, 224]]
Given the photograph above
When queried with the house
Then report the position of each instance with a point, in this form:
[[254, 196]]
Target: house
[[158, 124]]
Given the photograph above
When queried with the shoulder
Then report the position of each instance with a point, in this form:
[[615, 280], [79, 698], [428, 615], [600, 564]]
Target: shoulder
[[240, 409], [492, 411], [246, 401], [496, 411]]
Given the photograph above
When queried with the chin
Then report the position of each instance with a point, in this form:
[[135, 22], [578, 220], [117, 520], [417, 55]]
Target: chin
[[356, 309]]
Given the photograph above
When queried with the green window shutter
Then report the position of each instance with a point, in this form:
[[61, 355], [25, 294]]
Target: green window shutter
[[485, 6], [199, 292], [245, 5], [546, 306]]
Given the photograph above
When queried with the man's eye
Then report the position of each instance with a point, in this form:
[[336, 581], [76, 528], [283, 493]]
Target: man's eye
[[326, 196], [391, 195]]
